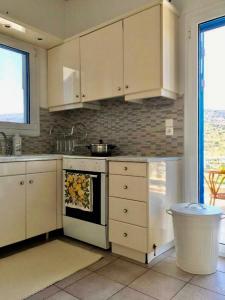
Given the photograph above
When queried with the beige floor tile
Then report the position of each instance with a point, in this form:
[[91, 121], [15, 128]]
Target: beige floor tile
[[156, 260], [94, 287], [214, 282], [62, 296], [168, 266], [122, 271], [221, 264], [130, 294], [102, 262], [191, 292], [72, 278], [157, 285], [144, 265], [44, 294]]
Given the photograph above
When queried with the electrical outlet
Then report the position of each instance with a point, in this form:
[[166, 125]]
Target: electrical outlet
[[169, 131]]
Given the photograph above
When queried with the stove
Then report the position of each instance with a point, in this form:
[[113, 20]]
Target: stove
[[85, 201]]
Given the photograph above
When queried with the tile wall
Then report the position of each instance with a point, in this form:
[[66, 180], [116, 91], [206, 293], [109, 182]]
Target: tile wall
[[136, 129]]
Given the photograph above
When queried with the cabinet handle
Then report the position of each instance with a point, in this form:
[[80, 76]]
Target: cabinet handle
[[22, 182], [127, 86], [77, 96], [125, 234], [125, 168], [31, 181], [125, 187], [119, 88], [125, 210], [83, 95]]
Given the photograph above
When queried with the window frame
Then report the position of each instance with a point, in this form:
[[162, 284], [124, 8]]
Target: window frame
[[33, 128]]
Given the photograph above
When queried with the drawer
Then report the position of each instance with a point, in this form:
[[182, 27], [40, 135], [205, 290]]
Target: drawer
[[12, 168], [128, 211], [127, 235], [128, 187], [41, 166], [128, 168]]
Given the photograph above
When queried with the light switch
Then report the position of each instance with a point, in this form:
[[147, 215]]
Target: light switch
[[169, 123]]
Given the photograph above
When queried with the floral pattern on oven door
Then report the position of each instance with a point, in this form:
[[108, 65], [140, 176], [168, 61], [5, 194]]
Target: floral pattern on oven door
[[79, 191]]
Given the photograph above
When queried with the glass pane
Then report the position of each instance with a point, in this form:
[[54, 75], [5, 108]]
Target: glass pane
[[14, 85], [212, 115]]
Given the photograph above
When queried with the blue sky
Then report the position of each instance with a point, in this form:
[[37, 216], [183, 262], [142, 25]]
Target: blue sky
[[215, 69], [11, 82]]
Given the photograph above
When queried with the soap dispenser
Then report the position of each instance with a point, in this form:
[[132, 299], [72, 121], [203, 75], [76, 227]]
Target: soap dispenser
[[17, 144]]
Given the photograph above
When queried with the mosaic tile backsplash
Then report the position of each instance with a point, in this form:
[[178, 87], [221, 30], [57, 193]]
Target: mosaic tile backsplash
[[136, 129]]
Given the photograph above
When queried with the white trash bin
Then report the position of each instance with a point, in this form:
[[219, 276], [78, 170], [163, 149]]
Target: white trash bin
[[196, 229]]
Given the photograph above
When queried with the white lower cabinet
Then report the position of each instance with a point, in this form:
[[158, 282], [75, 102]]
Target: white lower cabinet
[[30, 204], [41, 203], [12, 209], [139, 194]]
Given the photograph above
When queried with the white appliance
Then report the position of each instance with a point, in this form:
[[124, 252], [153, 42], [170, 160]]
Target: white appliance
[[88, 226]]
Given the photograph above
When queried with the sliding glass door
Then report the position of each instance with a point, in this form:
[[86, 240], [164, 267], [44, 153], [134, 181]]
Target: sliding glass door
[[211, 114]]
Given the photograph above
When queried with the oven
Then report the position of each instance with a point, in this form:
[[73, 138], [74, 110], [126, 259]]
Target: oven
[[85, 199]]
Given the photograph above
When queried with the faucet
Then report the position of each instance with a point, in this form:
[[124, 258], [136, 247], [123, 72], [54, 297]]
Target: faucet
[[4, 146]]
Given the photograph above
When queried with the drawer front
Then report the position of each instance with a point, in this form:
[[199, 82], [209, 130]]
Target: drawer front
[[128, 187], [41, 166], [12, 168], [128, 211], [128, 168], [127, 235]]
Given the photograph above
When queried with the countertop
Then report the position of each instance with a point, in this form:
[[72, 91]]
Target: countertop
[[142, 158], [34, 157]]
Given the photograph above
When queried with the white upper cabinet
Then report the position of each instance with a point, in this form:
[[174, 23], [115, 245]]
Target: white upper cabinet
[[102, 63], [64, 75], [150, 54]]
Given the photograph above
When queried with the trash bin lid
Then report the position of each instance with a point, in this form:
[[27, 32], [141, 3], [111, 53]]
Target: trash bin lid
[[195, 209]]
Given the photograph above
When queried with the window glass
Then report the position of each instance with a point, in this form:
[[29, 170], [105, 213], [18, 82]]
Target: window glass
[[14, 86]]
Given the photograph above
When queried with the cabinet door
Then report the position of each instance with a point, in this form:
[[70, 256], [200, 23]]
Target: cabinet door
[[142, 51], [64, 74], [12, 212], [41, 203], [102, 63]]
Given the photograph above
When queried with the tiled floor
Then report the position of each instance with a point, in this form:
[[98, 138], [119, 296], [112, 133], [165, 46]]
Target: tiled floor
[[117, 278]]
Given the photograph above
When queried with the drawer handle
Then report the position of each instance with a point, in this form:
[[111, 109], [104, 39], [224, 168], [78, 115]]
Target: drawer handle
[[125, 168], [125, 234], [22, 182], [125, 187], [31, 181], [125, 210]]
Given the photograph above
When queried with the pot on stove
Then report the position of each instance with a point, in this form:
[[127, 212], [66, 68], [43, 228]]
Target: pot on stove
[[101, 149]]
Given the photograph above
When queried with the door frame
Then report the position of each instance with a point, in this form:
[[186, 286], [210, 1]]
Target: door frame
[[191, 102], [191, 109]]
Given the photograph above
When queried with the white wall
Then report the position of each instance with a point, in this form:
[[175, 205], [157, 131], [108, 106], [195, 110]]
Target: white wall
[[47, 15], [83, 14]]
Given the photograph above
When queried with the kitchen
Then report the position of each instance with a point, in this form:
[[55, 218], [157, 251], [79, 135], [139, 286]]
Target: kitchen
[[94, 151]]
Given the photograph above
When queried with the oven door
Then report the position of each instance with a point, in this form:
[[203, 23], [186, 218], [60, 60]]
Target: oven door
[[94, 214]]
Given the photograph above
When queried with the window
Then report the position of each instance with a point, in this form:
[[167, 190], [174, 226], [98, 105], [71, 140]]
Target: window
[[20, 67], [14, 85]]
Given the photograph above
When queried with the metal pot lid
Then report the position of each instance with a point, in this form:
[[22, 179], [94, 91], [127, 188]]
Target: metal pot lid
[[195, 209]]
